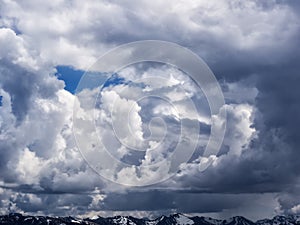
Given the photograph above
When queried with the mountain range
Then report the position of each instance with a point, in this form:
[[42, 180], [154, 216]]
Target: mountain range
[[174, 219]]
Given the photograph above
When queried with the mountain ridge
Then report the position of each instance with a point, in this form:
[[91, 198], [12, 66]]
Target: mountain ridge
[[173, 219]]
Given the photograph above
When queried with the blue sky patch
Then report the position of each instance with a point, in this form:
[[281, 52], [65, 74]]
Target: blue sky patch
[[114, 80], [70, 76]]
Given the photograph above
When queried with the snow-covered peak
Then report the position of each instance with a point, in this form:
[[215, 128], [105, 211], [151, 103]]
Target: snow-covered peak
[[123, 220], [183, 220]]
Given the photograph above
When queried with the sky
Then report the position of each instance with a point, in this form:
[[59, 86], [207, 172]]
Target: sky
[[142, 112]]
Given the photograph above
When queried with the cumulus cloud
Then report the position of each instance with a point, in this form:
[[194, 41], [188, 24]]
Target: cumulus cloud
[[37, 147]]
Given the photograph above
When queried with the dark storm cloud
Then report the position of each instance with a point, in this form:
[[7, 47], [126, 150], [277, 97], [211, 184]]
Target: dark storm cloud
[[166, 200], [278, 102], [271, 164], [295, 5], [53, 204]]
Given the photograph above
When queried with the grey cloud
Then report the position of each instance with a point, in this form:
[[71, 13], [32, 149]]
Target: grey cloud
[[53, 204], [24, 85], [165, 200]]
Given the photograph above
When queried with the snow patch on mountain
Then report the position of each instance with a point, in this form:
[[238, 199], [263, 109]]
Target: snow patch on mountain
[[183, 220]]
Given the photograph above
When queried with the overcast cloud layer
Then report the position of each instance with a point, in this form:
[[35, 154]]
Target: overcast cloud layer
[[251, 46]]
